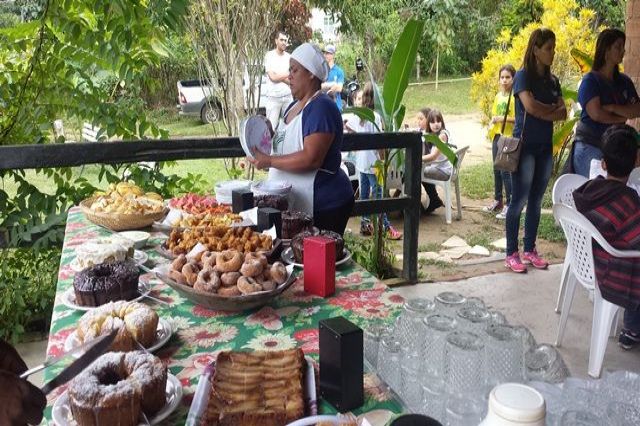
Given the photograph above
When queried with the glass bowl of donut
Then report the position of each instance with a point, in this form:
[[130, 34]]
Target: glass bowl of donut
[[227, 280]]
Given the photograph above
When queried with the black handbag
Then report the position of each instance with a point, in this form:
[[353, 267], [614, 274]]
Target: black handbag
[[509, 148]]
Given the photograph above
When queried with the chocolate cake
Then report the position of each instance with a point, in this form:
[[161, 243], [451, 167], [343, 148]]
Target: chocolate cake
[[297, 243], [294, 222], [106, 282], [278, 202]]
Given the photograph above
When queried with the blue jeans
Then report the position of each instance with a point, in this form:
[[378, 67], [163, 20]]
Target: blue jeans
[[631, 320], [529, 184], [582, 155], [369, 186], [500, 178]]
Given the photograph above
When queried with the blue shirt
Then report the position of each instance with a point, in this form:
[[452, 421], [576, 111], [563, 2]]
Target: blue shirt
[[546, 90], [332, 188], [620, 91], [336, 75]]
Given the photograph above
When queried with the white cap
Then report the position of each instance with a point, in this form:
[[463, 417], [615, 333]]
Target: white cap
[[517, 404], [311, 58]]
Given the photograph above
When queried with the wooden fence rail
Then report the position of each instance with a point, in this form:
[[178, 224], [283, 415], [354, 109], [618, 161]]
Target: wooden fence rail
[[118, 152]]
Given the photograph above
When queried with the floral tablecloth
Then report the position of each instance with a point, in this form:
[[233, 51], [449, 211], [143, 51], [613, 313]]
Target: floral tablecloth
[[199, 333]]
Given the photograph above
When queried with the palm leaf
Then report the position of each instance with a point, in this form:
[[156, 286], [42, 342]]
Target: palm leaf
[[442, 147], [584, 60], [560, 135], [401, 64], [399, 116], [363, 113], [570, 94]]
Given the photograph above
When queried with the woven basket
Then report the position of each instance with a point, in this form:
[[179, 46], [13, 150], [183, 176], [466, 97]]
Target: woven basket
[[119, 221]]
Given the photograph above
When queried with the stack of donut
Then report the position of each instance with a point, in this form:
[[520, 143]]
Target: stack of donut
[[228, 273]]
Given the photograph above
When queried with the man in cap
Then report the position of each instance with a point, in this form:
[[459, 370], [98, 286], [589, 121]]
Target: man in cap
[[277, 91], [335, 80]]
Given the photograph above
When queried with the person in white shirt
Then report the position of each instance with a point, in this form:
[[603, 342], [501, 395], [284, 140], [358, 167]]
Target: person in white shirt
[[277, 91]]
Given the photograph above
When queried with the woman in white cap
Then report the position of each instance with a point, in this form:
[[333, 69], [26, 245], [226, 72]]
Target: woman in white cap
[[306, 147]]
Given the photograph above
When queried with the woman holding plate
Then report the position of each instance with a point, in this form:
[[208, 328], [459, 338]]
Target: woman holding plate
[[306, 147]]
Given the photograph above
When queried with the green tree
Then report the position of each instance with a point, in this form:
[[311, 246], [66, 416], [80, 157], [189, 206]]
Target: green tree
[[84, 59]]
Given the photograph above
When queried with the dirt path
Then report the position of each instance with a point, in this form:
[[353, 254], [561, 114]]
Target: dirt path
[[475, 226]]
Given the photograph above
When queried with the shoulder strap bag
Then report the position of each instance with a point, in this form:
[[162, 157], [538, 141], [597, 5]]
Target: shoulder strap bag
[[509, 148]]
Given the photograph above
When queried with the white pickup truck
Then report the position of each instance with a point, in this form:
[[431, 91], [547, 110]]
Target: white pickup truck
[[193, 96]]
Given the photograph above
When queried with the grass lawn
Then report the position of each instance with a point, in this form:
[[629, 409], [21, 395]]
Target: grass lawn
[[450, 98]]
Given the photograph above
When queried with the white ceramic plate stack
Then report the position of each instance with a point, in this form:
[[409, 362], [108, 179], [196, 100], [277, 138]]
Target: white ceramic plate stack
[[255, 134], [225, 189]]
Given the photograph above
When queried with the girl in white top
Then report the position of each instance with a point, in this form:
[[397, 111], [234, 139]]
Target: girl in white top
[[365, 160], [438, 167]]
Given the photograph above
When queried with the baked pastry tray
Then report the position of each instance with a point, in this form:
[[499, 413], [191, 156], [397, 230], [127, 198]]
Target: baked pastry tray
[[198, 408]]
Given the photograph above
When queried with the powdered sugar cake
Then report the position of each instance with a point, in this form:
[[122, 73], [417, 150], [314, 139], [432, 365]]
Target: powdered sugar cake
[[257, 388]]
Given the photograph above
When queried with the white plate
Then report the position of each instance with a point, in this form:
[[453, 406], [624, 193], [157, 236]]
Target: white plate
[[69, 297], [254, 133], [163, 334], [287, 257], [61, 411], [139, 257]]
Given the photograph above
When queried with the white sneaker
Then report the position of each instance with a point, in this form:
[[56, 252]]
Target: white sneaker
[[503, 214]]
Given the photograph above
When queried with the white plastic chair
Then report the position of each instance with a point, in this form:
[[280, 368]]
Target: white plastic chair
[[580, 234], [446, 185], [563, 194]]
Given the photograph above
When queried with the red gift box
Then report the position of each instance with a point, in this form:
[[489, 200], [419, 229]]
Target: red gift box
[[319, 266]]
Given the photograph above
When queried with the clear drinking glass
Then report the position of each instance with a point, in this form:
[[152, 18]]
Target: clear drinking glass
[[463, 362], [434, 398], [411, 374], [389, 361], [527, 337], [463, 411], [437, 327], [581, 399], [449, 302], [409, 326], [475, 301], [372, 336], [580, 418], [623, 414], [504, 353], [544, 363], [473, 318], [497, 317]]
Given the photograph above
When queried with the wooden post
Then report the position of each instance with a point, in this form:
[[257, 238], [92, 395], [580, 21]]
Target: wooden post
[[412, 188], [632, 55], [437, 66]]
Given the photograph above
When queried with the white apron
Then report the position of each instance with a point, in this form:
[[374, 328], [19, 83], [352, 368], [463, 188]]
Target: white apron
[[288, 140]]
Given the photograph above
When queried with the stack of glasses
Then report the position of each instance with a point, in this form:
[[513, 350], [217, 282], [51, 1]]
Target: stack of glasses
[[442, 358]]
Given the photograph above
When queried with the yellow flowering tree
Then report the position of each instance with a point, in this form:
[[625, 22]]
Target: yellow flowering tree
[[573, 27]]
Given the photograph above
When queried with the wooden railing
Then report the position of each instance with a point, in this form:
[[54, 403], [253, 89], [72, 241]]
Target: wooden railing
[[78, 154]]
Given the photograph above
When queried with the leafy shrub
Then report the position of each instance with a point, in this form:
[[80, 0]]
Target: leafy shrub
[[573, 28], [27, 288]]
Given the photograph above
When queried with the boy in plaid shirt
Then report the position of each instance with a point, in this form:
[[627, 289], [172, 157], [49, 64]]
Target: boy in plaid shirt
[[614, 209]]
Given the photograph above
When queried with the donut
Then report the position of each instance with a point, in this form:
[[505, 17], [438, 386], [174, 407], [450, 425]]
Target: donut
[[278, 272], [190, 272], [208, 258], [251, 268], [229, 261], [248, 285], [179, 262], [229, 278], [178, 277], [229, 291], [258, 256], [269, 285], [208, 281]]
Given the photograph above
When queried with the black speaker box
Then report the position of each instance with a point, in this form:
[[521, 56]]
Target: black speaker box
[[341, 363], [241, 200]]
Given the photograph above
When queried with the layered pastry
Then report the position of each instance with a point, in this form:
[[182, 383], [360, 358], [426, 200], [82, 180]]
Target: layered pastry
[[297, 243], [106, 282], [116, 388], [104, 250], [294, 222], [135, 323], [257, 388]]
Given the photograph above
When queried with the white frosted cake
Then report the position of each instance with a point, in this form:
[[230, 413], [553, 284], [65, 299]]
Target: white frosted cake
[[104, 250]]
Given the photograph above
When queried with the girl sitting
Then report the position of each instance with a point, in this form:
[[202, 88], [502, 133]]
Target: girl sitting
[[438, 167]]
